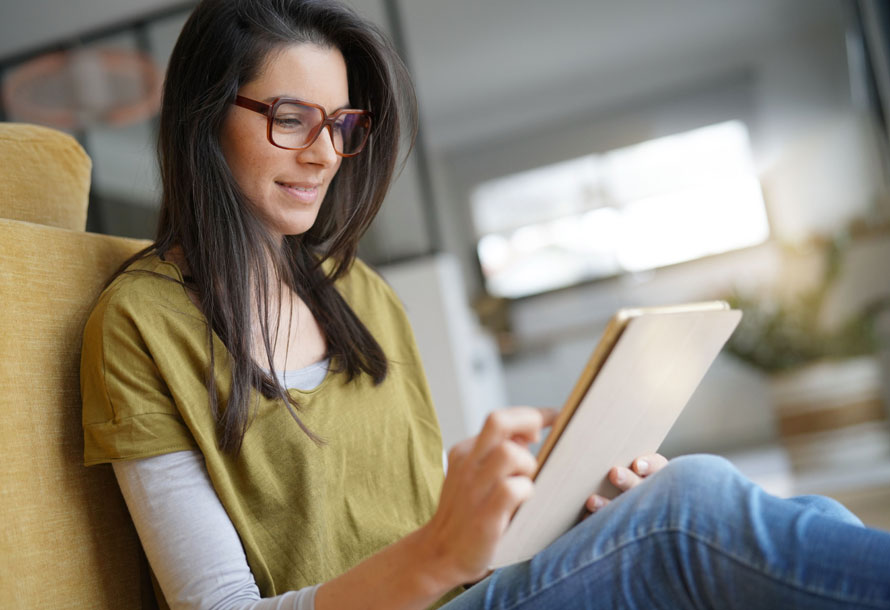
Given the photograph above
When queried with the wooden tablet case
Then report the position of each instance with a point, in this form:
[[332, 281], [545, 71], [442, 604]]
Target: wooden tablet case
[[637, 381]]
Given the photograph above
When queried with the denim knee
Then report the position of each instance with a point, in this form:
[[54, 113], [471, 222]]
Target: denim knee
[[703, 481], [699, 469], [828, 507]]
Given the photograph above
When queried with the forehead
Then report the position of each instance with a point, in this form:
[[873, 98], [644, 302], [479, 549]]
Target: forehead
[[305, 71]]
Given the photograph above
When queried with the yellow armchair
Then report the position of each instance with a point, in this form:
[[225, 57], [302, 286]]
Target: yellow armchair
[[66, 540]]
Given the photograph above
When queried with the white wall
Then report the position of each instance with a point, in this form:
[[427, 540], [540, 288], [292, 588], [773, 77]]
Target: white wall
[[460, 359], [788, 93], [818, 162]]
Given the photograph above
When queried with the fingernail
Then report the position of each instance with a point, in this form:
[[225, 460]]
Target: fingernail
[[597, 503], [619, 476], [642, 466]]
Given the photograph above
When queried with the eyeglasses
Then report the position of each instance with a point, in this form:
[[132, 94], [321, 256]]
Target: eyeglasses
[[295, 124]]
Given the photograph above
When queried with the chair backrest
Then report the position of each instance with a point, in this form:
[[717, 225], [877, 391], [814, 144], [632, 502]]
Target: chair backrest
[[46, 177], [66, 540]]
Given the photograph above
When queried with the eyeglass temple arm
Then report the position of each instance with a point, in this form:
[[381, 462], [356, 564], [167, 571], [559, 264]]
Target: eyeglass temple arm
[[252, 105]]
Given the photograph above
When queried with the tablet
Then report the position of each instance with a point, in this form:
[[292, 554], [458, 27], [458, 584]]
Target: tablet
[[639, 378]]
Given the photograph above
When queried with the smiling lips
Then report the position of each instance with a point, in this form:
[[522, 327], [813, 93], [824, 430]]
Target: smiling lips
[[307, 193]]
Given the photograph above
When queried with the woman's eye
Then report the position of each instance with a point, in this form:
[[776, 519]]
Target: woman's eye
[[288, 122], [344, 124]]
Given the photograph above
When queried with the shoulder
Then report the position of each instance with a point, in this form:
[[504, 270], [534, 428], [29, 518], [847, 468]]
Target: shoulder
[[138, 339], [145, 277], [364, 284], [376, 304], [146, 292]]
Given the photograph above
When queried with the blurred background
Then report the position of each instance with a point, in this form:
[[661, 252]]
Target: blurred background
[[578, 156]]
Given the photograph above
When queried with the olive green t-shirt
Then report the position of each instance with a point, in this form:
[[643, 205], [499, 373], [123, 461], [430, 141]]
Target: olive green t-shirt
[[304, 513]]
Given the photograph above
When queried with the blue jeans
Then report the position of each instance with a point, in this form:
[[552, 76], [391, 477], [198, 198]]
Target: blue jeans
[[700, 535]]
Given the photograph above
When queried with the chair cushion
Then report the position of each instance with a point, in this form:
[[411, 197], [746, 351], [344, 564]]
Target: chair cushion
[[67, 540], [46, 176]]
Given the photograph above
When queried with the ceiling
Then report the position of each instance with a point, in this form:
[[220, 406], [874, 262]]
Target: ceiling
[[484, 67], [533, 58]]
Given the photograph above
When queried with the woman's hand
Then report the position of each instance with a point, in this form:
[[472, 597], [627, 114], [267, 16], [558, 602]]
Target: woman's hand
[[628, 478], [489, 475]]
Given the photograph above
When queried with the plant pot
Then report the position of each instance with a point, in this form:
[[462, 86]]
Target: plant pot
[[831, 414]]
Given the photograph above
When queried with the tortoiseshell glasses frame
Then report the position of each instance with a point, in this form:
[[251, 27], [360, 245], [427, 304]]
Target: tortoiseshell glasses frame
[[349, 128]]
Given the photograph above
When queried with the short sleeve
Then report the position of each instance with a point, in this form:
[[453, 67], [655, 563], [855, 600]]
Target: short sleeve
[[128, 409]]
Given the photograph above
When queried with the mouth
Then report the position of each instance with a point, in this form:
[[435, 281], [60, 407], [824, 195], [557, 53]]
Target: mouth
[[302, 191]]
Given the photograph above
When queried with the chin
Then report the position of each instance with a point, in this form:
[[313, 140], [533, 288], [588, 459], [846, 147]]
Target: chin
[[293, 227]]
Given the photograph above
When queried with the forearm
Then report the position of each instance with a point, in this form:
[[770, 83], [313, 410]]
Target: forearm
[[488, 477], [198, 559], [190, 542], [405, 575]]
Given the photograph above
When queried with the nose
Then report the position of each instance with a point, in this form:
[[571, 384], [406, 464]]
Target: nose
[[320, 152]]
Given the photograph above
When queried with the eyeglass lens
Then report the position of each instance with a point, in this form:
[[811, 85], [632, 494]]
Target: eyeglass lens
[[295, 126]]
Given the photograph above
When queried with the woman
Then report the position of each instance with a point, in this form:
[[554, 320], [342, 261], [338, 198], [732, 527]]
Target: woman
[[260, 396]]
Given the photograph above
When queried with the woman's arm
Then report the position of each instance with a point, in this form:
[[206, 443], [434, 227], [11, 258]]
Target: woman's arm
[[489, 475], [189, 540], [198, 559]]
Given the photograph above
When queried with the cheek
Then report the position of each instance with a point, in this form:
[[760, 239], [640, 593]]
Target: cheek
[[334, 170], [244, 167], [333, 175], [241, 154]]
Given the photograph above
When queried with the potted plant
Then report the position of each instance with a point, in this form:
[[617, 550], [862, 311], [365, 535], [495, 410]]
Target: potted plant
[[825, 383]]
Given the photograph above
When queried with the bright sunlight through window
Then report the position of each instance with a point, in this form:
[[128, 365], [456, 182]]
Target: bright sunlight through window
[[658, 203]]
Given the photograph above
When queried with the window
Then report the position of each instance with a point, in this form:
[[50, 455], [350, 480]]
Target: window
[[653, 204]]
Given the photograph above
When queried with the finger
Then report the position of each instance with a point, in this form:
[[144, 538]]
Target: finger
[[549, 415], [505, 460], [457, 460], [595, 502], [624, 478], [506, 496], [521, 424], [459, 451], [649, 464], [548, 418]]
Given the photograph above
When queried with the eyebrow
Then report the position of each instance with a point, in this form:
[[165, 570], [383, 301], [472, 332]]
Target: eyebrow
[[272, 98]]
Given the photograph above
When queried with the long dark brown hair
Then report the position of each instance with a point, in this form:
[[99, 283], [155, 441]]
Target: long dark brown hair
[[224, 45]]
